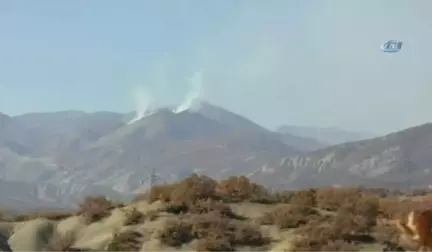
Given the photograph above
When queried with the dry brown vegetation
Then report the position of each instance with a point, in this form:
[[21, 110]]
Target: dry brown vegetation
[[126, 241], [133, 217], [324, 219], [201, 215], [213, 231], [96, 208], [289, 216]]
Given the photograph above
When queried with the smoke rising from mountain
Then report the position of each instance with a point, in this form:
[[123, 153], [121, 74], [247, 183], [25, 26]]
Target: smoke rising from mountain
[[194, 97], [145, 104], [145, 101]]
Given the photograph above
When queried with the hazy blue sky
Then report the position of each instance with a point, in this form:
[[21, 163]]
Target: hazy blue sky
[[306, 62]]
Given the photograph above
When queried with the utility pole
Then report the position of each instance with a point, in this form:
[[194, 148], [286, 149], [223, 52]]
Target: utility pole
[[153, 178]]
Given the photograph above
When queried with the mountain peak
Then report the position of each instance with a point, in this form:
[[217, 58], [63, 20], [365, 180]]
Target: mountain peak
[[192, 104]]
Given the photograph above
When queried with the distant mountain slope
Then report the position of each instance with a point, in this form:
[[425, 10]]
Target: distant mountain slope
[[52, 132], [58, 158], [228, 118], [172, 143], [328, 136], [14, 136], [238, 122], [65, 155], [302, 143], [400, 159]]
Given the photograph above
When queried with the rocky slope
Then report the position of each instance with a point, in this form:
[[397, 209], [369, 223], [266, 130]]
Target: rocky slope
[[401, 159], [57, 158]]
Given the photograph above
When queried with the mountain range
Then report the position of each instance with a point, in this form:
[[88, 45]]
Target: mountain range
[[399, 160], [327, 135], [55, 159]]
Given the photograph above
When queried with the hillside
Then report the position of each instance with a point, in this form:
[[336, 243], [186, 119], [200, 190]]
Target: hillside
[[201, 214], [237, 122], [59, 157], [401, 159], [326, 136]]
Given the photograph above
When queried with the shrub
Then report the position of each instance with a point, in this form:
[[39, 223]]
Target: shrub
[[187, 191], [212, 226], [209, 244], [212, 231], [126, 241], [320, 236], [346, 224], [176, 208], [248, 235], [192, 189], [213, 206], [331, 199], [133, 217], [314, 237], [152, 215], [202, 207], [304, 198], [176, 233], [288, 216], [95, 208], [395, 208], [237, 189], [158, 192], [284, 196], [319, 230], [391, 208], [359, 217], [386, 233], [209, 225], [351, 225]]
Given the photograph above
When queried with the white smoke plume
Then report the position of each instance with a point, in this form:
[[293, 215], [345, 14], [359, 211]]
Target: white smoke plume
[[145, 104], [194, 97]]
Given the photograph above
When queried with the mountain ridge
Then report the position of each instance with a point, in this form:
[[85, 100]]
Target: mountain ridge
[[69, 155], [325, 135], [399, 159]]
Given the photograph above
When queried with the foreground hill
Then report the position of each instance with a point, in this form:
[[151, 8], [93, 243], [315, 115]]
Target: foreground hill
[[200, 214], [402, 159]]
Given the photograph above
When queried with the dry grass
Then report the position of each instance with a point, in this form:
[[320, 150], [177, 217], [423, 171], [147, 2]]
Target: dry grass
[[219, 244], [332, 198], [176, 233], [303, 198], [187, 191], [323, 219], [133, 217], [288, 216], [198, 187], [126, 241], [238, 189], [352, 225], [95, 208], [213, 232]]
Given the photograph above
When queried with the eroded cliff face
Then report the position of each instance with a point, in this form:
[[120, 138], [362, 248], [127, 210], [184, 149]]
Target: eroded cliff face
[[401, 159]]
